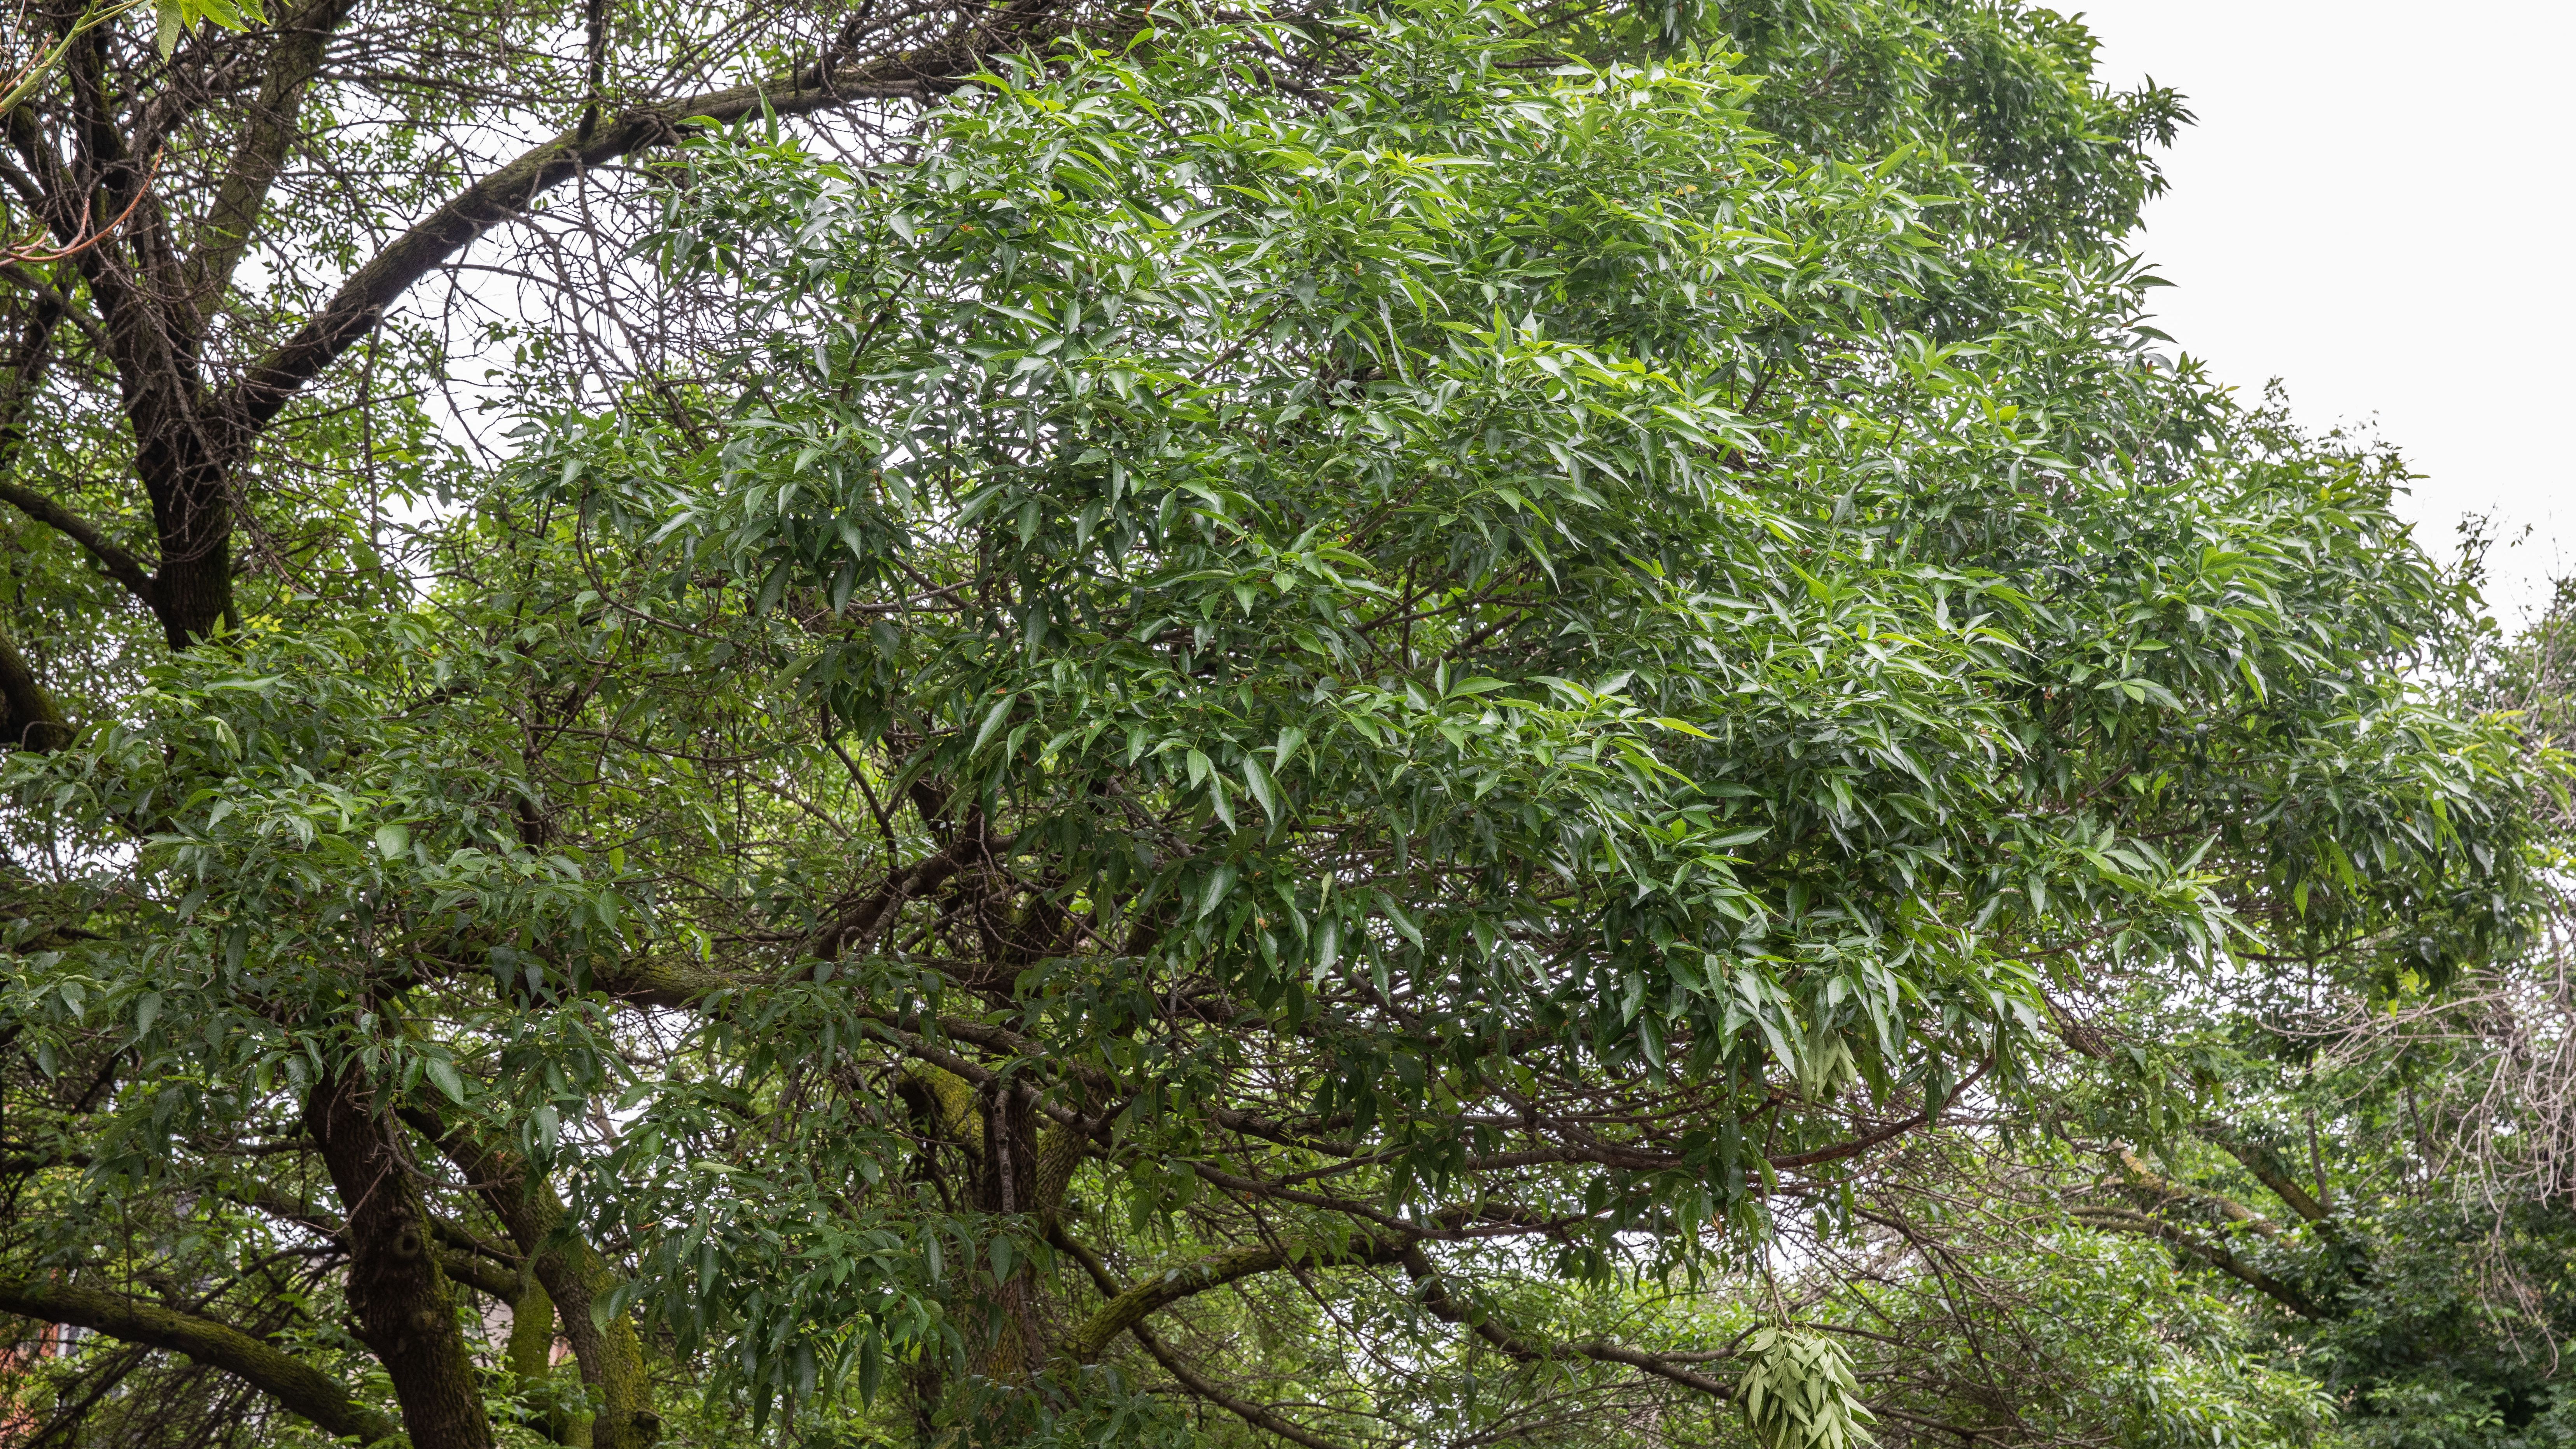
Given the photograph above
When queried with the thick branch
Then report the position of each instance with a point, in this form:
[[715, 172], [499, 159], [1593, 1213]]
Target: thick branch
[[1179, 1368], [2228, 1207], [854, 930], [299, 1386], [22, 391], [267, 131], [2269, 1170], [1158, 1291], [511, 191], [2123, 1220], [572, 1273], [121, 566]]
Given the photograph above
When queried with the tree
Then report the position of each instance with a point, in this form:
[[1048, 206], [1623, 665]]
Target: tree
[[2377, 1163], [1402, 718]]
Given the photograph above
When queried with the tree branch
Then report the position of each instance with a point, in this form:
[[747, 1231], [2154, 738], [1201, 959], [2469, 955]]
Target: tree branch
[[2123, 1220], [268, 130], [573, 1274], [1190, 1378], [2230, 1208], [297, 1385], [121, 566], [44, 292], [2269, 1170], [459, 1259], [509, 192], [1157, 1291]]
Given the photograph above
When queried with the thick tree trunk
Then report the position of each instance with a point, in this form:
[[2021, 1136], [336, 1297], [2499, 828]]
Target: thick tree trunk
[[406, 1312], [192, 513]]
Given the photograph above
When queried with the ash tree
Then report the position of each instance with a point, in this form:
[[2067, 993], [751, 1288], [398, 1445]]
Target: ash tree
[[1238, 757]]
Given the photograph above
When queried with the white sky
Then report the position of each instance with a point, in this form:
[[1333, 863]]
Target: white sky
[[2375, 208]]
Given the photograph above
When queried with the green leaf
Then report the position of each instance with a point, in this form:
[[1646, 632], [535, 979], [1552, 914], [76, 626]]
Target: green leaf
[[1257, 780], [993, 719], [1220, 882], [442, 1073]]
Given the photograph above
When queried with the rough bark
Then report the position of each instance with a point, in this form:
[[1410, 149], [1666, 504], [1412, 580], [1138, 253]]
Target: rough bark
[[303, 1389], [405, 1309]]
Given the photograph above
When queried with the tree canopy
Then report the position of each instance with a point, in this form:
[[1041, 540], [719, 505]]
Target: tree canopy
[[1447, 725]]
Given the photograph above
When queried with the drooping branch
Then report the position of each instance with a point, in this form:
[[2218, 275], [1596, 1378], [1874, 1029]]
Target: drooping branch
[[293, 1383]]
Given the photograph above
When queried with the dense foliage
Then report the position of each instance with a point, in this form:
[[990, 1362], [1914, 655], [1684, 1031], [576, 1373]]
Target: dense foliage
[[1451, 727]]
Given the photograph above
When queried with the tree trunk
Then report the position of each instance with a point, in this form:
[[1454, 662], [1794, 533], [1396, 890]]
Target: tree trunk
[[405, 1310]]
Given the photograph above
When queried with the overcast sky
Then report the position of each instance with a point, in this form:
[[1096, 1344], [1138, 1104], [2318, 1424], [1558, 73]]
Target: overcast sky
[[2375, 209]]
